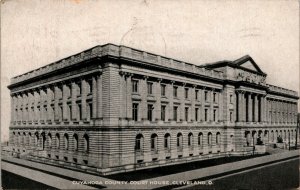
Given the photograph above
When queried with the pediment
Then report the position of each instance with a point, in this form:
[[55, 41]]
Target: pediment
[[248, 63]]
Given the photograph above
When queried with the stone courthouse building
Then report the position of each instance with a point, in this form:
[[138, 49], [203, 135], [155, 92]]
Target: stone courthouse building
[[114, 109]]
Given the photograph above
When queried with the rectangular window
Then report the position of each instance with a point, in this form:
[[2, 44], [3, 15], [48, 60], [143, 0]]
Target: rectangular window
[[186, 93], [196, 94], [215, 114], [135, 112], [186, 113], [78, 88], [89, 86], [166, 143], [163, 113], [135, 85], [150, 112], [70, 112], [215, 97], [175, 113], [150, 87], [138, 144], [175, 91], [153, 143], [163, 90], [91, 110], [205, 96], [60, 112], [79, 112], [205, 114], [196, 114], [69, 87]]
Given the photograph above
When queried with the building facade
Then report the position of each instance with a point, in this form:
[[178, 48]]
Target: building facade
[[115, 109]]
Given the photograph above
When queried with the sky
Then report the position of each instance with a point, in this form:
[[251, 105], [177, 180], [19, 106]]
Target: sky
[[35, 33]]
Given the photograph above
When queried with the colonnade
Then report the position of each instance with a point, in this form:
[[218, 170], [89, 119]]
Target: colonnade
[[195, 102], [69, 100], [250, 107]]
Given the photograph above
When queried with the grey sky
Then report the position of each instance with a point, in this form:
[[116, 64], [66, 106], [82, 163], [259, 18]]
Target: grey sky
[[35, 33]]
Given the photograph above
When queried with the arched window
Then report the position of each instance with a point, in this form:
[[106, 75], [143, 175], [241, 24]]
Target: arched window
[[19, 139], [218, 138], [209, 135], [272, 136], [43, 140], [190, 139], [14, 138], [75, 137], [57, 138], [179, 140], [86, 143], [167, 141], [24, 139], [36, 141], [154, 142], [231, 138], [66, 140], [50, 140], [200, 139], [29, 139], [139, 141], [280, 133]]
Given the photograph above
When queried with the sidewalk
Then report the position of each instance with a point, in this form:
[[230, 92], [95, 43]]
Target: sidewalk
[[158, 182]]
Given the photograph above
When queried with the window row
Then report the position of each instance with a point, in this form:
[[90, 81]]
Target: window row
[[48, 94], [47, 141], [48, 113], [176, 111], [139, 141], [187, 91]]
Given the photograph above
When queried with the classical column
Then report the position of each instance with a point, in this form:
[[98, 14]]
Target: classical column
[[12, 108], [56, 101], [169, 93], [193, 99], [249, 102], [73, 100], [182, 102], [240, 106], [36, 104], [255, 108], [49, 99], [65, 95], [211, 118], [123, 99], [243, 107], [31, 105], [220, 102], [99, 96], [202, 109], [22, 106], [129, 97], [83, 99], [42, 101], [94, 97], [143, 91], [265, 104], [157, 92]]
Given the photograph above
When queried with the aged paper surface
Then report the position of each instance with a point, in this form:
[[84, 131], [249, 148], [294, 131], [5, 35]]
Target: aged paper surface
[[35, 33]]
